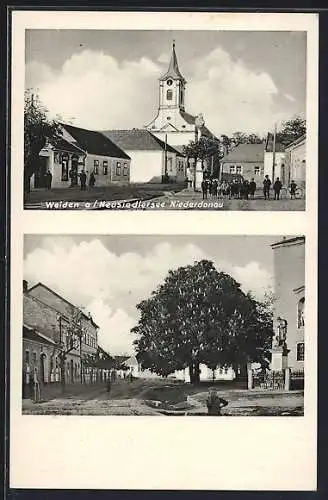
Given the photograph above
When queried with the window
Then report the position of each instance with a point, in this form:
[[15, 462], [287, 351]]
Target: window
[[34, 358], [105, 167], [27, 357], [300, 313], [125, 169], [96, 166], [232, 169], [118, 168], [169, 95], [226, 370], [300, 351], [239, 169], [256, 170], [168, 118]]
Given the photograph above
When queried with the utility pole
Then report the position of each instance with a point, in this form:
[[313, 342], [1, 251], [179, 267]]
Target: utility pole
[[274, 152], [165, 159]]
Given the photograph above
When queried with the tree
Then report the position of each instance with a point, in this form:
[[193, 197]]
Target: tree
[[38, 129], [70, 339], [291, 130], [206, 149], [199, 315]]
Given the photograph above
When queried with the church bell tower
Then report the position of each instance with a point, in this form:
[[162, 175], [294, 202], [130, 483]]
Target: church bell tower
[[172, 86]]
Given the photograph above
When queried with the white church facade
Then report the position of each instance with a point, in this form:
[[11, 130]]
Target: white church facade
[[173, 124]]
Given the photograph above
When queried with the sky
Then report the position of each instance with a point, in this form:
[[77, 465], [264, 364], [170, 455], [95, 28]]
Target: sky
[[103, 79], [109, 275]]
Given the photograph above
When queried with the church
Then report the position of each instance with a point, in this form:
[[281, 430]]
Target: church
[[172, 123]]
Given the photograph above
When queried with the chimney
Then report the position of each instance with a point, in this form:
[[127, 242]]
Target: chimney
[[25, 286]]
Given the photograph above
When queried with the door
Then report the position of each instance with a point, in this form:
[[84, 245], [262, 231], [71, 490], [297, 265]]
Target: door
[[283, 174], [42, 368], [75, 163], [40, 173]]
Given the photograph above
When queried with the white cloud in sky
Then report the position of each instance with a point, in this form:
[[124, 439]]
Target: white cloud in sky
[[109, 285], [289, 97], [100, 92]]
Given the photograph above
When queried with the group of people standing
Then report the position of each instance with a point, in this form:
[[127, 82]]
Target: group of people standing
[[74, 178], [243, 189], [237, 189]]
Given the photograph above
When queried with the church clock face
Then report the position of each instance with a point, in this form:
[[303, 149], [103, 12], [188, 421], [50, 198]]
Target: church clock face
[[169, 83]]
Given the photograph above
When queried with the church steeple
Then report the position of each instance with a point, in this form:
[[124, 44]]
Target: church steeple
[[173, 70]]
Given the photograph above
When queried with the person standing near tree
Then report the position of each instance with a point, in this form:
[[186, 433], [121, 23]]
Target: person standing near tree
[[83, 180], [48, 179], [204, 188], [277, 188], [266, 187], [293, 187], [214, 403]]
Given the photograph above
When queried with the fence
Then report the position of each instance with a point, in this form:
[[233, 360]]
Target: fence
[[274, 380]]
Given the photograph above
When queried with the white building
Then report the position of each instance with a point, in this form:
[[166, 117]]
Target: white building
[[296, 160], [150, 157], [280, 168]]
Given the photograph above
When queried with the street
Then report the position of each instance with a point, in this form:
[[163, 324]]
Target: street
[[151, 197], [146, 397]]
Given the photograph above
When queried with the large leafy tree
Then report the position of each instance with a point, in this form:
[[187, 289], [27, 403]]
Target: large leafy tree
[[38, 129], [200, 315], [292, 130]]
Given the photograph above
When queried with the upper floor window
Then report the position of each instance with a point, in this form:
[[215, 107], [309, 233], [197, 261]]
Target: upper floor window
[[27, 357], [300, 352], [300, 312], [105, 167], [96, 166], [169, 95]]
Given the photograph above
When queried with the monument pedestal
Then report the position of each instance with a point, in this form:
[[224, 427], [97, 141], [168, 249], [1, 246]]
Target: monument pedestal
[[279, 363]]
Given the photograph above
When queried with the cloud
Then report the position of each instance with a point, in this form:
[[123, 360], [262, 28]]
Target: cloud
[[289, 97], [109, 285], [101, 92]]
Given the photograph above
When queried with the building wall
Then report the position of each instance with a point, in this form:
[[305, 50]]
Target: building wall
[[176, 138], [118, 169], [148, 166], [297, 161], [289, 275], [37, 314], [279, 161], [247, 169]]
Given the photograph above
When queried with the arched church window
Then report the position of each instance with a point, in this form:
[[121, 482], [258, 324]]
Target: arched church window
[[169, 95]]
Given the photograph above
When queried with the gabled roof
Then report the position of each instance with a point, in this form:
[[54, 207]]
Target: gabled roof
[[173, 70], [32, 334], [42, 285], [62, 145], [245, 153], [190, 119], [279, 147], [138, 139], [289, 241], [297, 141], [94, 142]]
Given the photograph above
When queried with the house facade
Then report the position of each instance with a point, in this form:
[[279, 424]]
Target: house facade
[[296, 160], [289, 306], [150, 157], [280, 167], [46, 333], [80, 150], [246, 160]]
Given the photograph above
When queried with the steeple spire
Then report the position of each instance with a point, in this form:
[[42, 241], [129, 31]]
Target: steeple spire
[[173, 70]]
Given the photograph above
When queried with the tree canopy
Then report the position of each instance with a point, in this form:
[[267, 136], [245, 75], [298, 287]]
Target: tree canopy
[[201, 315], [291, 130], [38, 129]]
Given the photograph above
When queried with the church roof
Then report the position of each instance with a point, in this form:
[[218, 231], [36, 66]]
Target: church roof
[[173, 70], [190, 119], [95, 142], [245, 153], [138, 139]]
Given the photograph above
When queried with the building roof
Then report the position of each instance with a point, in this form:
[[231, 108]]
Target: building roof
[[190, 119], [245, 153], [279, 147], [288, 241], [63, 145], [173, 69], [94, 142], [138, 139], [295, 143], [32, 334], [63, 299]]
